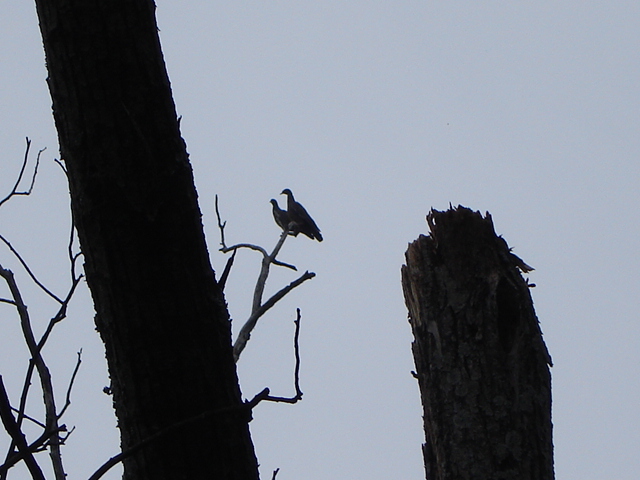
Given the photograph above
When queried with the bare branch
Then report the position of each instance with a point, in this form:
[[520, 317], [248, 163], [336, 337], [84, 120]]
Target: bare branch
[[24, 165], [14, 191], [244, 245], [16, 434], [283, 291], [264, 273], [245, 332], [46, 383], [27, 417], [296, 350], [61, 314], [70, 387], [296, 372], [227, 269], [50, 436], [275, 473], [64, 169], [35, 173], [36, 446], [221, 225], [73, 257], [28, 270]]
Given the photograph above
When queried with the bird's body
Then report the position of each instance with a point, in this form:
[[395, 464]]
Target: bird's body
[[282, 219], [303, 221]]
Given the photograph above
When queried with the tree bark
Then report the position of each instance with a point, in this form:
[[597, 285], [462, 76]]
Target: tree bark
[[159, 310], [482, 366]]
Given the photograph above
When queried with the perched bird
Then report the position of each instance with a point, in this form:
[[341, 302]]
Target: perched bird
[[304, 222], [282, 219]]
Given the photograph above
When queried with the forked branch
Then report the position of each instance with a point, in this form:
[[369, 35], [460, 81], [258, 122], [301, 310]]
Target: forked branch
[[14, 191]]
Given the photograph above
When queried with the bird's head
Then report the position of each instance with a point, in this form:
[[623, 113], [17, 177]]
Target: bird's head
[[287, 192], [274, 202]]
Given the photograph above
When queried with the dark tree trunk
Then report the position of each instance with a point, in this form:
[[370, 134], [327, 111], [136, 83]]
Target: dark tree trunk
[[160, 312], [482, 366]]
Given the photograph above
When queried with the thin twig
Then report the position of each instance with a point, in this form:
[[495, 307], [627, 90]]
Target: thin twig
[[19, 179], [64, 169], [14, 191], [296, 371], [27, 417], [73, 257], [35, 173], [275, 473], [221, 225], [70, 387], [61, 314], [296, 350], [28, 270]]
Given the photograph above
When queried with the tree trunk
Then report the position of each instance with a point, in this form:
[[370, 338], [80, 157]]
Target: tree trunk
[[482, 366], [159, 310]]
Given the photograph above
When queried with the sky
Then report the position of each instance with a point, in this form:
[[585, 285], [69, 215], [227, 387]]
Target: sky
[[371, 113]]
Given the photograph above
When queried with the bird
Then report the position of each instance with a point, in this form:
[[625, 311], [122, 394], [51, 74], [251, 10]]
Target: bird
[[298, 215], [282, 219]]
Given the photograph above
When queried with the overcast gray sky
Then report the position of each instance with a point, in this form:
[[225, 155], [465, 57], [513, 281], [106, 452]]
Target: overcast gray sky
[[372, 113]]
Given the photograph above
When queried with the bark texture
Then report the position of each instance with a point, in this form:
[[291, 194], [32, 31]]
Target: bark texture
[[482, 366], [159, 310]]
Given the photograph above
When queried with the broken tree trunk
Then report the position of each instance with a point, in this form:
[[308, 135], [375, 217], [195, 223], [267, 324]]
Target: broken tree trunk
[[482, 366]]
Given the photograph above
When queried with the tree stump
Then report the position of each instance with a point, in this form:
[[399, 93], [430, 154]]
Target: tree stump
[[482, 366]]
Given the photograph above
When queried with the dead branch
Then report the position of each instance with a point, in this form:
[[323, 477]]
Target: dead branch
[[233, 248], [220, 224], [227, 269], [51, 419], [296, 371], [28, 270], [70, 387], [36, 446], [50, 437], [31, 419], [58, 317], [247, 328], [14, 191], [16, 434]]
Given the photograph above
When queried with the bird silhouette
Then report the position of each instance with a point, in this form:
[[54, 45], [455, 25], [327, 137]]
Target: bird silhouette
[[282, 219], [303, 221]]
